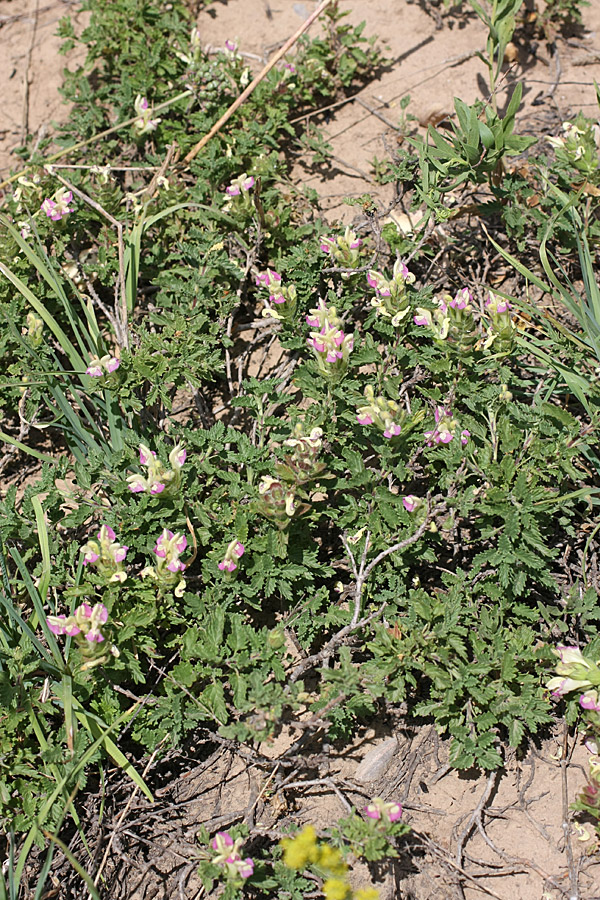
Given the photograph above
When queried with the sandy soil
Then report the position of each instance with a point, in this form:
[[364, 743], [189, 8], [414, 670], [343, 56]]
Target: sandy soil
[[31, 72], [507, 837]]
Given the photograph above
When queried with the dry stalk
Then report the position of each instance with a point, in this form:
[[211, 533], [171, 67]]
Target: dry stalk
[[121, 312]]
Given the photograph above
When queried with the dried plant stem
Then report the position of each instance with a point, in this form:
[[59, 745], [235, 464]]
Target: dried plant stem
[[476, 815], [254, 84], [121, 311], [123, 816]]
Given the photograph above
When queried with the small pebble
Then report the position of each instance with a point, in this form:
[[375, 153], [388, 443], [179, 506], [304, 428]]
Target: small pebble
[[377, 761]]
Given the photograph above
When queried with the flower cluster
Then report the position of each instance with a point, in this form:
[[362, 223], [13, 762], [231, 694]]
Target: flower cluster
[[578, 147], [282, 298], [34, 330], [385, 813], [385, 414], [343, 249], [106, 555], [84, 625], [301, 465], [193, 56], [58, 206], [576, 673], [85, 621], [445, 428], [168, 568], [239, 185], [304, 850], [391, 299], [452, 320], [228, 856], [234, 551], [276, 500], [101, 366], [501, 332], [158, 480], [144, 123], [329, 344]]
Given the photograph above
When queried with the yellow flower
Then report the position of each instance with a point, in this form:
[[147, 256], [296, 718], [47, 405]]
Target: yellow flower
[[331, 860], [300, 850], [336, 889], [366, 894]]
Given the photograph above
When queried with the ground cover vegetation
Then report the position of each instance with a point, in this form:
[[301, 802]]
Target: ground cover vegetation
[[291, 477]]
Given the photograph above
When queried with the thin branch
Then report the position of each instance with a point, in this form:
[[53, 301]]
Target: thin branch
[[475, 816]]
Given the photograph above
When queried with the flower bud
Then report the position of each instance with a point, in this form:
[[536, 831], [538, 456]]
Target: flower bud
[[276, 638]]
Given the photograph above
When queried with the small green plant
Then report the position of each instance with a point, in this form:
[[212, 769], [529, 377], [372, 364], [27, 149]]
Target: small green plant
[[476, 151]]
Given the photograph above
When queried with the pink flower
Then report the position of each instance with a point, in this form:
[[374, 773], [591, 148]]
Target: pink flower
[[60, 625], [395, 812], [234, 550], [95, 370], [158, 479], [372, 811], [231, 46], [497, 305], [241, 183], [423, 319], [462, 299], [590, 701], [410, 502], [244, 866], [104, 366], [168, 547], [56, 209], [268, 278], [144, 124], [379, 810], [97, 616], [364, 420], [146, 455], [90, 557], [106, 554], [221, 839], [392, 431], [464, 437], [178, 456]]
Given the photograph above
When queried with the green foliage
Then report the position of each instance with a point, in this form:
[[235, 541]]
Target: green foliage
[[476, 151], [352, 528]]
